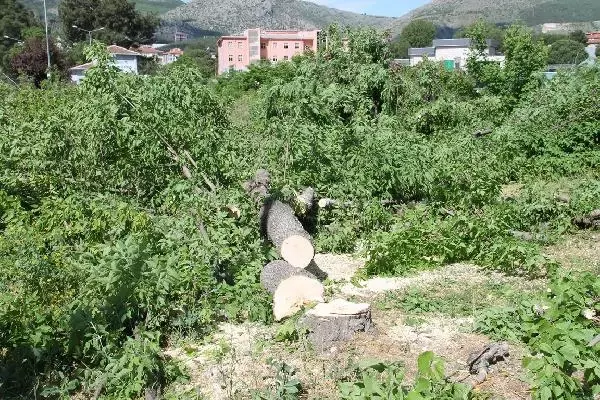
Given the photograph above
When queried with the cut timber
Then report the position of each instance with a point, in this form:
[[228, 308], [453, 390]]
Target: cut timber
[[337, 321], [278, 271], [287, 233], [294, 293]]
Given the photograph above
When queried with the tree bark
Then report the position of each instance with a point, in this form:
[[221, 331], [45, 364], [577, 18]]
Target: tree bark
[[286, 232], [278, 271], [331, 323]]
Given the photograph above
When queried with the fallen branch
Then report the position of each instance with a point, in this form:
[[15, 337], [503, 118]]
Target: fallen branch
[[479, 362], [483, 132], [591, 220]]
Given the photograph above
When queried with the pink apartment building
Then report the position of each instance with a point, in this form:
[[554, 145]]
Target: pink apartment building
[[238, 52]]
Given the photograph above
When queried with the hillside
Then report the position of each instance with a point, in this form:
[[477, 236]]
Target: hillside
[[456, 13], [231, 16], [153, 6]]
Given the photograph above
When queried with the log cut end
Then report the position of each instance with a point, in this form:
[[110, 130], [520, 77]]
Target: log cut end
[[335, 322], [298, 251], [294, 293]]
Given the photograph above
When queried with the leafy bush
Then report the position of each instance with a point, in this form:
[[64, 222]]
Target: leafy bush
[[377, 380]]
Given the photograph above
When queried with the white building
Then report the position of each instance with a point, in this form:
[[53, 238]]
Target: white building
[[453, 53], [125, 60]]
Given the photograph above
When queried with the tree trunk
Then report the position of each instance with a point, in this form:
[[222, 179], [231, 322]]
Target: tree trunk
[[282, 227], [278, 271], [331, 323]]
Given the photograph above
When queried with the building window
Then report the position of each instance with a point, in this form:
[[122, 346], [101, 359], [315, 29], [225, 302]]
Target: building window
[[286, 58], [230, 44], [297, 45], [274, 59], [263, 45], [274, 45], [239, 45], [240, 58], [231, 57], [285, 46]]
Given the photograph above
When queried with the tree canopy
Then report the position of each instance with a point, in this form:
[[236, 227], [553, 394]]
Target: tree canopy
[[14, 19], [121, 22], [31, 60], [488, 29], [418, 33], [567, 51]]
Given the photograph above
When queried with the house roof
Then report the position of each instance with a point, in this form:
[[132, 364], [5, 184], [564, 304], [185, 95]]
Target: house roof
[[421, 51], [462, 42], [176, 51], [148, 50], [82, 67], [118, 50]]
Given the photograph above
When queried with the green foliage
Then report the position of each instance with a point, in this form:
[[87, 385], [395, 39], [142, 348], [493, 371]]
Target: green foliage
[[114, 195], [376, 380], [567, 52], [14, 20], [558, 329], [419, 33], [286, 385], [122, 24]]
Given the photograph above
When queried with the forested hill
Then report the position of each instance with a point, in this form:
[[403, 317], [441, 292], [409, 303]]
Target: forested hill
[[153, 6], [456, 13], [236, 15]]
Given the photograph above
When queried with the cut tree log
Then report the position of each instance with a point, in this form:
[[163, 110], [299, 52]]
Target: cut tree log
[[329, 324], [294, 293], [278, 271], [482, 133], [286, 232]]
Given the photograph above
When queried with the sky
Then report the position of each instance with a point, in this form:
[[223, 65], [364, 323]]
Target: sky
[[390, 8]]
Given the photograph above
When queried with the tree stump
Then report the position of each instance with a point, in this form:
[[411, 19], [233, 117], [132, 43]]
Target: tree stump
[[331, 323]]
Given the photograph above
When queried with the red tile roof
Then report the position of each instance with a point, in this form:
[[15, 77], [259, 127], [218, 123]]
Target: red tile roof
[[176, 51], [147, 50], [118, 50]]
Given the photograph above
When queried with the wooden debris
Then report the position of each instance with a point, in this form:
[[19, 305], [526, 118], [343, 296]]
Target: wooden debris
[[482, 133], [591, 220], [480, 362]]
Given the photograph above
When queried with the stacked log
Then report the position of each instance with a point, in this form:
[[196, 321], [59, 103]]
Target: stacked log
[[291, 281]]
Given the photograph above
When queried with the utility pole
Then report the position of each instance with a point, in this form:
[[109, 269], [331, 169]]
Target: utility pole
[[47, 39]]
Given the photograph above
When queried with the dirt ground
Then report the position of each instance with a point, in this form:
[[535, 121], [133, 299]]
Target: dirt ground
[[242, 359]]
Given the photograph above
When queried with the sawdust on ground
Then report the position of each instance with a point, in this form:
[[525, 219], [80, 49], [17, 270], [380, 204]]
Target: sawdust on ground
[[237, 361]]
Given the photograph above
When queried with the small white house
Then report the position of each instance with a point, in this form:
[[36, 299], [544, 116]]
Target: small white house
[[452, 52], [125, 60]]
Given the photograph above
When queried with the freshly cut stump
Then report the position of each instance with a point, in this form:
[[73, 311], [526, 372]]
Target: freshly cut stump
[[337, 321], [295, 292], [282, 227], [277, 271]]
